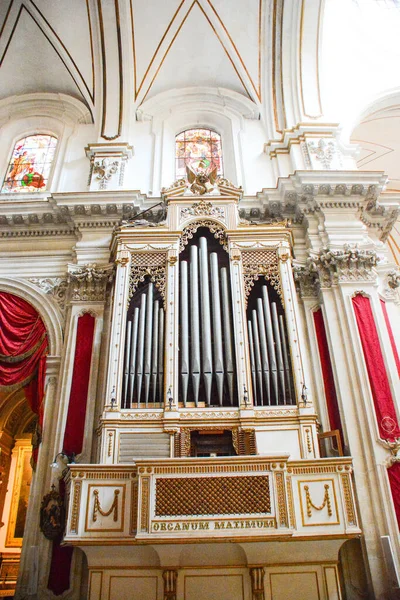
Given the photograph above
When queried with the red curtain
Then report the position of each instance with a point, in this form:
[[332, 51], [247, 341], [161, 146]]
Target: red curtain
[[394, 480], [327, 372], [391, 336], [61, 558], [75, 426], [378, 379], [23, 350]]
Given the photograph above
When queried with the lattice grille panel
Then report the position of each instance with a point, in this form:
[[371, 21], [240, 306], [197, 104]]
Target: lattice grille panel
[[212, 496]]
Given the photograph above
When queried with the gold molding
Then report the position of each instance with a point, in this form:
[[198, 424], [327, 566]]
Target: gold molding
[[11, 540], [145, 504], [281, 497], [76, 506], [348, 499]]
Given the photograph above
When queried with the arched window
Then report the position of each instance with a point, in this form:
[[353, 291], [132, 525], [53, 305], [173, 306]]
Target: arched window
[[30, 164], [200, 149]]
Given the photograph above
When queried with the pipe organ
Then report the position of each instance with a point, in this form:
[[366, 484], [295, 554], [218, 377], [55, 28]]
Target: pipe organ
[[206, 408]]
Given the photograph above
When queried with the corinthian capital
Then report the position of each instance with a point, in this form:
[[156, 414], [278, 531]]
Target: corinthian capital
[[350, 263], [88, 282]]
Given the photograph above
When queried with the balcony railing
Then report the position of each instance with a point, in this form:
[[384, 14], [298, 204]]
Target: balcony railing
[[197, 498]]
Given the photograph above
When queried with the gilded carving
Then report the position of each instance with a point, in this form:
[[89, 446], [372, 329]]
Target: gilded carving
[[326, 501], [280, 488], [348, 499], [105, 513], [134, 507], [75, 507], [292, 513], [144, 514]]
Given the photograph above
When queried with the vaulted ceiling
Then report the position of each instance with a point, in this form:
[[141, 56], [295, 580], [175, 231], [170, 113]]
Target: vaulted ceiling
[[43, 49], [56, 46]]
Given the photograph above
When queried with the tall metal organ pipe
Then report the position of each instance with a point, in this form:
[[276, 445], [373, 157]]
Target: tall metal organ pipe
[[207, 361], [195, 322], [217, 326], [226, 318], [184, 345], [144, 352], [269, 355], [148, 336]]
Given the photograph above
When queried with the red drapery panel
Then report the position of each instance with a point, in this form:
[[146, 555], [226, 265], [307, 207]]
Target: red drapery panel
[[75, 426], [326, 365], [378, 379], [61, 558], [394, 480], [391, 336]]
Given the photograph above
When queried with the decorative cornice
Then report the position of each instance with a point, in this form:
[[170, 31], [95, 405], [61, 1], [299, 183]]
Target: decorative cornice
[[88, 282]]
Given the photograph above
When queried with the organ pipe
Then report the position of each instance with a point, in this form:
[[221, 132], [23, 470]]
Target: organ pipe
[[184, 345], [278, 348], [270, 339], [161, 353], [148, 340], [207, 362], [257, 354], [154, 348], [217, 326], [285, 356], [252, 362], [133, 355], [264, 351], [227, 324], [127, 356], [139, 364], [195, 322]]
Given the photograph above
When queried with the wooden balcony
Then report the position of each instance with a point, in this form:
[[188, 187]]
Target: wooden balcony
[[253, 497]]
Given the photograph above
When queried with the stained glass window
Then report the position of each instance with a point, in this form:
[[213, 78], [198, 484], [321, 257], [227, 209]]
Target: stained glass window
[[200, 149], [30, 164]]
